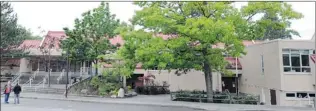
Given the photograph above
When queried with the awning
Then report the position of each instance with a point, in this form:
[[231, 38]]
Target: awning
[[232, 63], [14, 62]]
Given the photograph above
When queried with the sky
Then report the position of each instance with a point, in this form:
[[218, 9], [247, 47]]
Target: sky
[[53, 16]]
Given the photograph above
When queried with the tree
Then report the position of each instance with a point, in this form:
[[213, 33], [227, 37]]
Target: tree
[[95, 29], [278, 32], [196, 27], [11, 33]]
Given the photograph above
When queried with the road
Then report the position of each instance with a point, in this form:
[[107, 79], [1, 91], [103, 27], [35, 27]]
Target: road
[[55, 105]]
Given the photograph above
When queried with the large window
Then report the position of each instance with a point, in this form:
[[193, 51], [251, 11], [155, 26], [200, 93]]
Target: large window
[[295, 60], [299, 95]]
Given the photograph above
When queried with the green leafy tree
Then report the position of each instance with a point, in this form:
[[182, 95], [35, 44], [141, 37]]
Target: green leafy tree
[[278, 32], [197, 27], [94, 29], [12, 34]]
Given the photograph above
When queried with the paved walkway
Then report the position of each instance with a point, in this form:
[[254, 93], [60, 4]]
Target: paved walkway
[[164, 100]]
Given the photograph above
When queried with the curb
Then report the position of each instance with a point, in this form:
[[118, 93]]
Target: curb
[[119, 102]]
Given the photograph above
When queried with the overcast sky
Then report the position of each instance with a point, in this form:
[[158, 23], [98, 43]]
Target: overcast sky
[[56, 15]]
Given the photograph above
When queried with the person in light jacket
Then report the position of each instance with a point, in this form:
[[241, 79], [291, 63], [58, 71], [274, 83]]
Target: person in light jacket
[[7, 91], [17, 89]]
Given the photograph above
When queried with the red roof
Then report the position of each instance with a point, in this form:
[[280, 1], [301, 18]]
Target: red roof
[[15, 62], [138, 66], [30, 44], [232, 63], [58, 35], [53, 37]]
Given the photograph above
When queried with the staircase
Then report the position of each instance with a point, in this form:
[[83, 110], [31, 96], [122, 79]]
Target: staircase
[[45, 90], [58, 82]]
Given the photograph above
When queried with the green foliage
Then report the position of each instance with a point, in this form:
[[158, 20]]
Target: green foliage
[[12, 34], [91, 33], [276, 18], [106, 83], [197, 27]]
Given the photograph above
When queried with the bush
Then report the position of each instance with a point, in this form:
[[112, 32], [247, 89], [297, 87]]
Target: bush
[[152, 90], [218, 97], [106, 83]]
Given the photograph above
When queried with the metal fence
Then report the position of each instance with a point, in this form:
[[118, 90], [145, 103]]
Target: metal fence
[[217, 98]]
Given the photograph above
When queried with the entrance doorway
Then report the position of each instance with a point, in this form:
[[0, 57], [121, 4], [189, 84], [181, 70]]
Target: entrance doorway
[[134, 81], [228, 83], [273, 97]]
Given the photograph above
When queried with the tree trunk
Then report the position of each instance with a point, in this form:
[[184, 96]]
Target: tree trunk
[[75, 70], [208, 81], [96, 68]]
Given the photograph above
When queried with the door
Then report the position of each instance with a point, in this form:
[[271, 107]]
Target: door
[[273, 97], [228, 83]]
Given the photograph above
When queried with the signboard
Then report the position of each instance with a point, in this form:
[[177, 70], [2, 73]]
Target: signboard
[[313, 57]]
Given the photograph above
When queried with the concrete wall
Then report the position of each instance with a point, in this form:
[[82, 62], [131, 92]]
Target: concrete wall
[[6, 69], [296, 81], [25, 65], [253, 80], [193, 80]]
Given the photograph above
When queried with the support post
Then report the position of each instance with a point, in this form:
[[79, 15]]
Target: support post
[[315, 72], [67, 81]]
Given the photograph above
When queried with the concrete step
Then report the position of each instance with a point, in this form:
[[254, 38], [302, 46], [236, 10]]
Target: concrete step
[[44, 90]]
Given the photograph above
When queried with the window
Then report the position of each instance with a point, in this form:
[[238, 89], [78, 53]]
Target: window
[[290, 94], [300, 95], [295, 60], [262, 64]]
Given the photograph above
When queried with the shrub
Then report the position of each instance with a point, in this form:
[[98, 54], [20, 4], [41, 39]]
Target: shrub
[[218, 97], [151, 90], [106, 83]]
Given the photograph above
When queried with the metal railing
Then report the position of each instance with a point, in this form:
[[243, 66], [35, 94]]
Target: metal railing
[[301, 99], [16, 79], [84, 70], [60, 76], [217, 98], [29, 82]]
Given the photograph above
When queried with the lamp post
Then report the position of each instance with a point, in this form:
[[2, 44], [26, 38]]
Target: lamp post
[[315, 71], [67, 79]]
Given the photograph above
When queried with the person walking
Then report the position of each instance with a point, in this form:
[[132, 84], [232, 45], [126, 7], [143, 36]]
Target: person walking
[[17, 89], [7, 91]]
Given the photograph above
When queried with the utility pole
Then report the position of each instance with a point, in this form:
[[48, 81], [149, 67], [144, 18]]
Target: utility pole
[[315, 70], [236, 80], [67, 81], [49, 69]]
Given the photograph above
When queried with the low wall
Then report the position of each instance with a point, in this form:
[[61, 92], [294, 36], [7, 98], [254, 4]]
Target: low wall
[[193, 80]]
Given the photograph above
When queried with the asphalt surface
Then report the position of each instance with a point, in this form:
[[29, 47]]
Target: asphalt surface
[[55, 105]]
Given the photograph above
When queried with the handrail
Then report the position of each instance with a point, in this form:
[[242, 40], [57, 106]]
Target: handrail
[[35, 73], [77, 83], [16, 79], [84, 70], [60, 76]]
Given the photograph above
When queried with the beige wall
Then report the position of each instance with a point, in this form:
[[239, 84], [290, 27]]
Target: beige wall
[[193, 80], [25, 66], [296, 81], [6, 69], [252, 80]]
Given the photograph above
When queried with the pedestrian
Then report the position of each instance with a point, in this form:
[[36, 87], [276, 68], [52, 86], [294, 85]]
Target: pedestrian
[[17, 89], [7, 91]]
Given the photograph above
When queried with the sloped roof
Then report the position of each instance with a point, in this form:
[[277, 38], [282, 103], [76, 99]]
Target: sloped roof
[[53, 37], [30, 44]]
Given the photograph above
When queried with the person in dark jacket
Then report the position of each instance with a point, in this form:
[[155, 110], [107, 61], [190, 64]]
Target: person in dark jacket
[[17, 89]]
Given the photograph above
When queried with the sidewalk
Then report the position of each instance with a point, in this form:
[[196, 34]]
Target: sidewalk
[[162, 100]]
